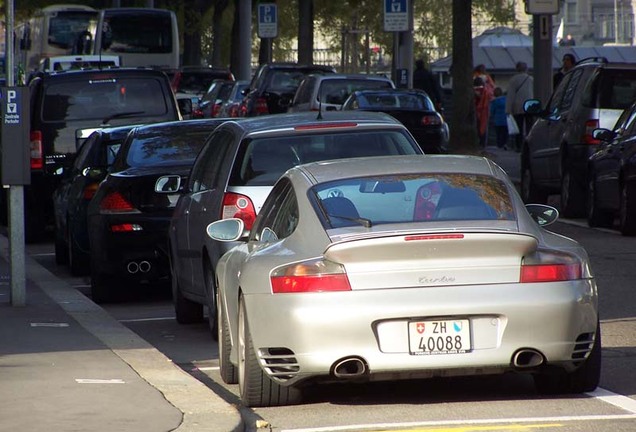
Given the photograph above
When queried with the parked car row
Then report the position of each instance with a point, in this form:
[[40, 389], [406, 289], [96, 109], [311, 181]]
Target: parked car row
[[278, 224], [565, 152]]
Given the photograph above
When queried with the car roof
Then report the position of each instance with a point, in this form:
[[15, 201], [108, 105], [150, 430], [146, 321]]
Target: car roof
[[290, 120], [192, 123], [75, 73], [297, 66], [386, 165], [349, 77]]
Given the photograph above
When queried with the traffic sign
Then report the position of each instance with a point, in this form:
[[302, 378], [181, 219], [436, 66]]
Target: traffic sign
[[542, 7], [396, 15], [267, 20]]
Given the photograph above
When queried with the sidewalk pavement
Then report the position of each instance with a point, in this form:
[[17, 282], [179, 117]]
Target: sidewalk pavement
[[66, 365]]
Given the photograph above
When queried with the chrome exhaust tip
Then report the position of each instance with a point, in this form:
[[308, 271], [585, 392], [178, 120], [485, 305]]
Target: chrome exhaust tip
[[132, 267], [527, 358], [145, 266], [350, 367]]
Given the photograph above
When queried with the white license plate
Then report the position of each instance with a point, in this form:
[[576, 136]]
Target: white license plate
[[439, 337]]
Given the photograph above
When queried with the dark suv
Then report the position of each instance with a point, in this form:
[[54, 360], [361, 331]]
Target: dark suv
[[555, 153], [274, 85], [63, 103]]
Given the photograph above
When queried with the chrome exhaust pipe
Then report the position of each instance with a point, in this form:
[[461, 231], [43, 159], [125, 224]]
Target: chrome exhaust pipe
[[527, 358], [132, 267], [145, 266], [351, 367]]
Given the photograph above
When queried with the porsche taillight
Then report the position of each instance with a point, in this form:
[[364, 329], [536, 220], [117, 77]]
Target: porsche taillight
[[37, 158], [238, 206], [317, 275], [550, 266]]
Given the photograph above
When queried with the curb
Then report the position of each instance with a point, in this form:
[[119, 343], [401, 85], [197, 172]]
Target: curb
[[202, 409]]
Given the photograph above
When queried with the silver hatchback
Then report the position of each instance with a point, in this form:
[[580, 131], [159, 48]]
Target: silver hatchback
[[235, 171]]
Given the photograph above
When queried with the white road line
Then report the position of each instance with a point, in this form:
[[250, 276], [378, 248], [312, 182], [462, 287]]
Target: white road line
[[146, 319], [99, 381], [42, 254], [49, 325], [205, 369], [377, 426], [620, 401], [623, 402]]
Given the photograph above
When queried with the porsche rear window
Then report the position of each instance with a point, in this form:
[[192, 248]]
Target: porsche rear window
[[413, 198]]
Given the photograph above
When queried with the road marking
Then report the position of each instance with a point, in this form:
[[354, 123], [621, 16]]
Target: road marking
[[620, 401], [510, 422], [146, 319], [99, 381], [205, 369], [490, 428], [410, 426], [59, 325]]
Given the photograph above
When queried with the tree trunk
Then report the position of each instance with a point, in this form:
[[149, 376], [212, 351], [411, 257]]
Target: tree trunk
[[217, 37], [463, 126], [306, 31], [235, 61]]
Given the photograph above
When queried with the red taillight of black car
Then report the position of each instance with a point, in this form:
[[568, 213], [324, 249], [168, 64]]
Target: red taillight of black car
[[115, 202]]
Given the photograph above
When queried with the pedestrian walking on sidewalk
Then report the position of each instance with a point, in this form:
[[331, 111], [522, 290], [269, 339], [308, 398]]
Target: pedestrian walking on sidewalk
[[520, 89]]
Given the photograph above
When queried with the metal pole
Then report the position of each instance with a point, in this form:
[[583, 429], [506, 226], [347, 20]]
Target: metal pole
[[245, 40], [15, 192], [542, 42]]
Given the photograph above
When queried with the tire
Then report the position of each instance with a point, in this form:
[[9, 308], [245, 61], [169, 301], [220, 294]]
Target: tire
[[210, 293], [229, 372], [61, 250], [627, 215], [572, 196], [78, 261], [102, 288], [255, 388], [530, 192], [584, 379], [186, 311], [595, 216]]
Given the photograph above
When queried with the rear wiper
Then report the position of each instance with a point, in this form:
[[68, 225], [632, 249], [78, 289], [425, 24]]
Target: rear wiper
[[360, 221], [122, 115]]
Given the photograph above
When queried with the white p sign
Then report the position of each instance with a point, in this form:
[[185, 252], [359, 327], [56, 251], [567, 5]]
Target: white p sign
[[12, 106]]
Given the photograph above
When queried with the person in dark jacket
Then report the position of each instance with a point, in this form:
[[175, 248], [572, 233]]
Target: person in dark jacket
[[568, 63], [423, 79]]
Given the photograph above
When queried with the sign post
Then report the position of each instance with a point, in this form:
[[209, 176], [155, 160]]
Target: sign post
[[397, 20], [15, 126], [542, 11]]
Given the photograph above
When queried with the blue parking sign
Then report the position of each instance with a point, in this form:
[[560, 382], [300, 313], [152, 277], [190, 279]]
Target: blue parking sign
[[396, 15], [267, 20]]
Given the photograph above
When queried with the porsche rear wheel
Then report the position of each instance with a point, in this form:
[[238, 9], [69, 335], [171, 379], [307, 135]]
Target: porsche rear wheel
[[584, 379], [228, 371], [255, 387]]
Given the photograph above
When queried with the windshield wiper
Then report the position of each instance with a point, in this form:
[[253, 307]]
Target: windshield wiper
[[122, 115], [360, 221]]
